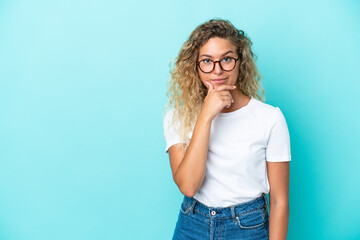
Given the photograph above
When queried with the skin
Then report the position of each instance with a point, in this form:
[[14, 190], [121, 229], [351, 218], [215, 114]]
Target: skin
[[214, 49], [188, 169]]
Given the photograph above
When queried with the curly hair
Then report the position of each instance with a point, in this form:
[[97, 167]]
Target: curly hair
[[186, 92]]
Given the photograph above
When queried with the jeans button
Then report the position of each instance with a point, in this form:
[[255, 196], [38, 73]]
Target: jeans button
[[213, 213]]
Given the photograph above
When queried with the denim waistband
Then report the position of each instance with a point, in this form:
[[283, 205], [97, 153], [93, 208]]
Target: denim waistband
[[225, 212]]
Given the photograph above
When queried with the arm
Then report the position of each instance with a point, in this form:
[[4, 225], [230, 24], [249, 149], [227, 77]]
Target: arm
[[189, 169], [278, 174]]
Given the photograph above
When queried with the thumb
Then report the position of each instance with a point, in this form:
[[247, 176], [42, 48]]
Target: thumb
[[210, 87]]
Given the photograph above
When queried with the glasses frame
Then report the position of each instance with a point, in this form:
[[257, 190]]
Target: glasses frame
[[219, 61]]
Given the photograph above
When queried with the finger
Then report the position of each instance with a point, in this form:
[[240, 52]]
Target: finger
[[225, 87], [232, 99], [228, 101], [210, 87], [227, 93]]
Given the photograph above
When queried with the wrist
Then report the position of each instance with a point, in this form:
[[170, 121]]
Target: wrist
[[204, 118]]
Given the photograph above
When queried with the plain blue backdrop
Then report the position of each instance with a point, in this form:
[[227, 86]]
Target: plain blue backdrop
[[82, 88]]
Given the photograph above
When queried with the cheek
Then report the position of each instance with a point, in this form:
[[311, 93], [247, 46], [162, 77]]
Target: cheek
[[203, 77], [235, 74]]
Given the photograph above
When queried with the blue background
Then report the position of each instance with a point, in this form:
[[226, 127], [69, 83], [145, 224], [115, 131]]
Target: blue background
[[82, 87]]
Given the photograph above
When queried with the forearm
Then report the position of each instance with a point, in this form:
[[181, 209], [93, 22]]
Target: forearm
[[191, 171], [278, 221]]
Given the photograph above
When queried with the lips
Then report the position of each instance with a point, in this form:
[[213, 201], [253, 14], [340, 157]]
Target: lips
[[219, 80]]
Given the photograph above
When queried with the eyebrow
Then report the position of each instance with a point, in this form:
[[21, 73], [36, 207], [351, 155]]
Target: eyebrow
[[206, 55]]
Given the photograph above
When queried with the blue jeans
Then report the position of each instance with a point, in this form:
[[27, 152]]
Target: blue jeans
[[249, 220]]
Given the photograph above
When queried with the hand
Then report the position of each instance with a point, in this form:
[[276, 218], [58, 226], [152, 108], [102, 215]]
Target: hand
[[217, 99]]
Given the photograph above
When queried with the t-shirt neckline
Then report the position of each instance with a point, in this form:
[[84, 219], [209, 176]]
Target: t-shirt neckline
[[238, 111]]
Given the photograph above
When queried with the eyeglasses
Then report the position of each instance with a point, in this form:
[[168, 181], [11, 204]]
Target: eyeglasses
[[227, 64]]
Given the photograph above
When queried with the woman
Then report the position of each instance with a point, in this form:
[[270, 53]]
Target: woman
[[227, 148]]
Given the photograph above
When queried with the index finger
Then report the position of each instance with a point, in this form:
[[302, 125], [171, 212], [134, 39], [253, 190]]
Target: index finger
[[225, 87]]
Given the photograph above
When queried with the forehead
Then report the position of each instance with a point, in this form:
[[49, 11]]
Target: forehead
[[216, 46]]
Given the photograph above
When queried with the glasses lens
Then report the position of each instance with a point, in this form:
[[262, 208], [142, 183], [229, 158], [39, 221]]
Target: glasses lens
[[228, 64], [206, 65]]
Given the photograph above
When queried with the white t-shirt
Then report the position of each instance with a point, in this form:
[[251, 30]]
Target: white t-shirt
[[240, 144]]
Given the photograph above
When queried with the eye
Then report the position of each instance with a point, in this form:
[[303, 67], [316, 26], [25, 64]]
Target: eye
[[226, 59], [206, 60]]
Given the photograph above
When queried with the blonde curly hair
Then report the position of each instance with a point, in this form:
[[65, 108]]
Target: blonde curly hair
[[186, 92]]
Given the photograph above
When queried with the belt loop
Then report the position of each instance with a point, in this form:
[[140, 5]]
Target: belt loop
[[232, 208], [193, 206]]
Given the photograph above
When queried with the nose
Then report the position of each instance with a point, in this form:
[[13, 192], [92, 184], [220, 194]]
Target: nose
[[217, 68]]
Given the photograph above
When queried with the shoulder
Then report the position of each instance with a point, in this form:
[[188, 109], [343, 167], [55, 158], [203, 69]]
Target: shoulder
[[169, 115], [273, 117], [265, 110], [169, 121]]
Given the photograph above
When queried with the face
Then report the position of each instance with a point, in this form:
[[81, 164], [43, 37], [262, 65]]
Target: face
[[216, 49]]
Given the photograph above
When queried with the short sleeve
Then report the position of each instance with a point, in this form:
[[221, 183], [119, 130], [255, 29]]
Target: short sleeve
[[170, 130], [278, 147]]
